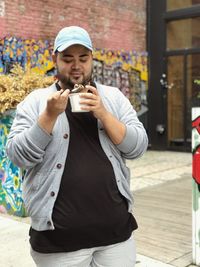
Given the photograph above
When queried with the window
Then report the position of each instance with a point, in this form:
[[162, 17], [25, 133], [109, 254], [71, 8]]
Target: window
[[183, 34], [178, 4]]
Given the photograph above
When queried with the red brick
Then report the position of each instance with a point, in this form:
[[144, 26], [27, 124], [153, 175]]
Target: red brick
[[112, 24]]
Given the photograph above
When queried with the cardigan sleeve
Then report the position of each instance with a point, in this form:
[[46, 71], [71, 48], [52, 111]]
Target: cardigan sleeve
[[27, 141], [135, 141]]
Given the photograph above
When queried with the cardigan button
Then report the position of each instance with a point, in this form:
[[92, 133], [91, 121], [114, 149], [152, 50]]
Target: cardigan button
[[52, 194], [59, 166], [65, 136], [49, 223]]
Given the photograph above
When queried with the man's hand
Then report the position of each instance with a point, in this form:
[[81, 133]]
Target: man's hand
[[56, 104], [92, 102], [114, 128]]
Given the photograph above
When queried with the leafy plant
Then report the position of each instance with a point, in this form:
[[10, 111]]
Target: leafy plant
[[15, 86]]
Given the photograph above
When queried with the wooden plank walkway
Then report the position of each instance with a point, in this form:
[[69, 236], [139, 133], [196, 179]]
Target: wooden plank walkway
[[164, 215]]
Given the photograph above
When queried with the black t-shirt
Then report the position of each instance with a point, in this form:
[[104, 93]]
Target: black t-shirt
[[89, 210]]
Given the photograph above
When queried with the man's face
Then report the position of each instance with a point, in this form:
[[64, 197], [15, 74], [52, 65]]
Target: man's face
[[74, 66]]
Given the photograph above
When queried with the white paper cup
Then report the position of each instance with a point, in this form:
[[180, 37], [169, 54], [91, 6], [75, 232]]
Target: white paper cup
[[74, 100]]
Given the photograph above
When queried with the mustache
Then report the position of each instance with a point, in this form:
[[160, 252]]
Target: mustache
[[66, 81]]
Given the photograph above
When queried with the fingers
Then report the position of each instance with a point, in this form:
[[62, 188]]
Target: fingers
[[65, 93], [91, 93], [88, 96], [92, 89], [60, 94], [57, 102], [90, 99]]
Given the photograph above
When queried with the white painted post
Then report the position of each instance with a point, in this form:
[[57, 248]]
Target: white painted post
[[196, 186]]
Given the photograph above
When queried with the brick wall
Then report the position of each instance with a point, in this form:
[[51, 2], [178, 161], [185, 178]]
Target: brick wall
[[113, 24]]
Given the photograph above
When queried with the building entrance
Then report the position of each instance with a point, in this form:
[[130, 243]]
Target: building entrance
[[174, 80]]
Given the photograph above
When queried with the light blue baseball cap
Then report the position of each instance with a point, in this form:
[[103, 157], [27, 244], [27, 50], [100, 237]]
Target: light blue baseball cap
[[70, 36]]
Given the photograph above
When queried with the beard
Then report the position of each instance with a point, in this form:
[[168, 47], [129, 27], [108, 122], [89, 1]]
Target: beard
[[68, 83]]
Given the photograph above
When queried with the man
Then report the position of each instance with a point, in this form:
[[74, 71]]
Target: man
[[76, 185]]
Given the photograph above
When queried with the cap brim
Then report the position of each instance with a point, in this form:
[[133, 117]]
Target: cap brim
[[68, 44]]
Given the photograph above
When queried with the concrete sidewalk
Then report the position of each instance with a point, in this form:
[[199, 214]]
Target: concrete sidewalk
[[155, 167]]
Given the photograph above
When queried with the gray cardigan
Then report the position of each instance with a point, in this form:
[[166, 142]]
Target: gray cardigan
[[43, 155]]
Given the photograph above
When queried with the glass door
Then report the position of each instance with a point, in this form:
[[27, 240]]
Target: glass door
[[175, 101], [183, 74], [183, 93]]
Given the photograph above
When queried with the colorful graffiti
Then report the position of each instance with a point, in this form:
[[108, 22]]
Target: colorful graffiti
[[128, 81], [34, 53], [10, 178], [37, 53]]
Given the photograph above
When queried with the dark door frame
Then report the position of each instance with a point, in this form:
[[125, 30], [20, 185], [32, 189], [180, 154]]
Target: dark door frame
[[156, 99]]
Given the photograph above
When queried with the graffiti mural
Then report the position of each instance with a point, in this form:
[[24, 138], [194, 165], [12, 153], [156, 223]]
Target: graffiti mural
[[125, 70], [33, 53], [129, 82], [10, 178]]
